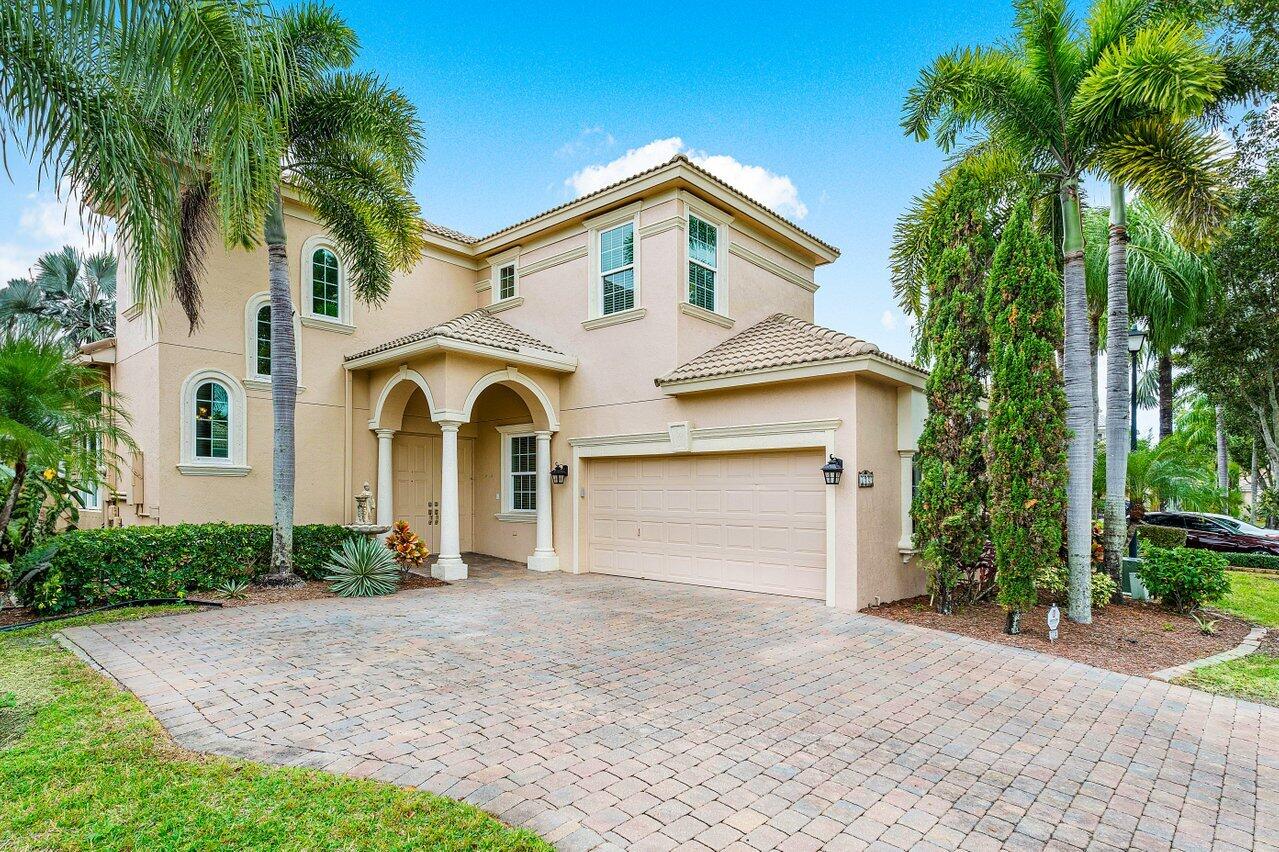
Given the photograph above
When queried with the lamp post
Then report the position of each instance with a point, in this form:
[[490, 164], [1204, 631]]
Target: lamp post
[[1136, 338]]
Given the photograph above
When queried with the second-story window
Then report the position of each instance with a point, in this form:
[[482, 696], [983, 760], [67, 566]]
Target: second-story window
[[326, 299], [262, 337], [506, 282], [617, 269], [703, 262]]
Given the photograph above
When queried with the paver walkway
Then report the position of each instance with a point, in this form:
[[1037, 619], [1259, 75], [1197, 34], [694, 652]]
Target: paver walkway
[[608, 712]]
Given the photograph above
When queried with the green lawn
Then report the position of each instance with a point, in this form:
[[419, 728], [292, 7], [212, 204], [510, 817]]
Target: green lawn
[[84, 766], [1253, 597], [1254, 677]]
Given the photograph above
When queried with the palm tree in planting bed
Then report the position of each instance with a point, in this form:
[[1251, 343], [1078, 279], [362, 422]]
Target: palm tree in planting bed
[[54, 414], [347, 144], [1115, 97]]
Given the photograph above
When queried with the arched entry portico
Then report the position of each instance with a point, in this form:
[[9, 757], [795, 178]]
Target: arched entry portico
[[388, 418]]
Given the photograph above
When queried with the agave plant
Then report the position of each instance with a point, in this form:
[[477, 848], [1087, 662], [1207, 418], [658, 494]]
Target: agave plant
[[233, 589], [362, 568]]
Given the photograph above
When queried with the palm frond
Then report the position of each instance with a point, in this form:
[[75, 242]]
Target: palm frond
[[1176, 167]]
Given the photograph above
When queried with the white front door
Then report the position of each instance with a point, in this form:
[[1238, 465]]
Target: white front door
[[750, 521]]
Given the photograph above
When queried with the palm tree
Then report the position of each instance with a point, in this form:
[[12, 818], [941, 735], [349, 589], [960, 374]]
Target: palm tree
[[347, 145], [75, 292], [55, 415], [1169, 287], [1113, 97]]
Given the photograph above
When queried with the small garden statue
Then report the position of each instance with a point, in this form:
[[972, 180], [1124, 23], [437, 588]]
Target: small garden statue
[[364, 506]]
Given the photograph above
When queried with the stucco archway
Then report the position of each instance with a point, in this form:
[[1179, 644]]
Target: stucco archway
[[539, 404], [388, 411]]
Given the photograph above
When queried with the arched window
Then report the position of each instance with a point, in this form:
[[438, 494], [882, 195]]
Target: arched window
[[262, 337], [212, 421], [326, 284], [213, 425]]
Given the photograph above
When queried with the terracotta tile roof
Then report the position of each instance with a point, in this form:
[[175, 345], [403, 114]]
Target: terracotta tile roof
[[442, 231], [478, 326], [678, 158], [778, 341]]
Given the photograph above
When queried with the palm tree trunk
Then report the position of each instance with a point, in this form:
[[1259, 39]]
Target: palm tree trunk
[[1165, 396], [15, 488], [284, 392], [1079, 412], [1094, 345], [1118, 417], [1252, 484], [1223, 460]]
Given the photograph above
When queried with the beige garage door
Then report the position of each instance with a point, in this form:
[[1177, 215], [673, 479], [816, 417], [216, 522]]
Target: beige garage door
[[750, 521]]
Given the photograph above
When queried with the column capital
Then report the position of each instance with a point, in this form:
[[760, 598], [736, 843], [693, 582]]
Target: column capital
[[543, 434], [450, 425], [384, 433]]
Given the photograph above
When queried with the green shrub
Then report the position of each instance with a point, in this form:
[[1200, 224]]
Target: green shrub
[[1183, 577], [363, 568], [97, 566], [1103, 589], [1254, 560], [1165, 537]]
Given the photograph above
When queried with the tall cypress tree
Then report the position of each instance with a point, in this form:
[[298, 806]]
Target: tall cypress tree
[[950, 504], [1026, 432]]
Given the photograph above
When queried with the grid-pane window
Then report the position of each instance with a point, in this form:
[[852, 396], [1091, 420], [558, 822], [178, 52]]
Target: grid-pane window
[[703, 262], [262, 340], [523, 473], [212, 422], [506, 282], [325, 300], [90, 495], [617, 269]]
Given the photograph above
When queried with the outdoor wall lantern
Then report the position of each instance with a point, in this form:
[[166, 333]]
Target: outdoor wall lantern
[[833, 470], [865, 479], [559, 473]]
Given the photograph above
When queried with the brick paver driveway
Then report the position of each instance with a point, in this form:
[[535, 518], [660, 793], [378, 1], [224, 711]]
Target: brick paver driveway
[[602, 711]]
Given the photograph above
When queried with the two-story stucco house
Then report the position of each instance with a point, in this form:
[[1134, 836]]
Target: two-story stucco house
[[653, 340]]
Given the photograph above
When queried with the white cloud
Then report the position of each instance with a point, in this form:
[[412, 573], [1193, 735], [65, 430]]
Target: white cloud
[[47, 222], [589, 140], [889, 320], [772, 190]]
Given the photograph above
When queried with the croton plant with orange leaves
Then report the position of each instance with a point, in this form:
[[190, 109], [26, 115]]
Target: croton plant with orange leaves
[[408, 546]]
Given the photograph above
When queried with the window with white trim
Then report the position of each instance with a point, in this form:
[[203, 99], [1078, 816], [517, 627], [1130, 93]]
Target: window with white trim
[[617, 268], [91, 495], [506, 282], [326, 284], [262, 342], [212, 421], [522, 462], [703, 262]]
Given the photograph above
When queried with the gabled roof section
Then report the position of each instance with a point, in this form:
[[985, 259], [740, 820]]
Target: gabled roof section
[[448, 233], [775, 343], [678, 159], [478, 328]]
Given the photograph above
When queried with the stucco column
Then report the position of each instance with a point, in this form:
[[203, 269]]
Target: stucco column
[[907, 462], [449, 565], [544, 557], [385, 478]]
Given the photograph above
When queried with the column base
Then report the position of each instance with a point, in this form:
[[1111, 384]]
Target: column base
[[546, 560], [449, 568]]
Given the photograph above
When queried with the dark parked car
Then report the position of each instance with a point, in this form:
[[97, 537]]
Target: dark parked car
[[1214, 534]]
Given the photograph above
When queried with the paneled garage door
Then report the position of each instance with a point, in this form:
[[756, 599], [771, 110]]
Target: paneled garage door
[[750, 521]]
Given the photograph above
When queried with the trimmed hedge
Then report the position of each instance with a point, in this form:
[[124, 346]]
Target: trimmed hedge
[[1183, 578], [1165, 537], [88, 567], [1254, 560]]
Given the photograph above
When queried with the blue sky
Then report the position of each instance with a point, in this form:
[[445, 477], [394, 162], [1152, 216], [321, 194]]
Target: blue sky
[[516, 103]]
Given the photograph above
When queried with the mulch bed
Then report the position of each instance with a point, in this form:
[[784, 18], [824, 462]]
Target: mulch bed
[[309, 590], [1132, 638]]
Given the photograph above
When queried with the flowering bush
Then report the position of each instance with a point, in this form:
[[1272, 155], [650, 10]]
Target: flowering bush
[[410, 551]]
